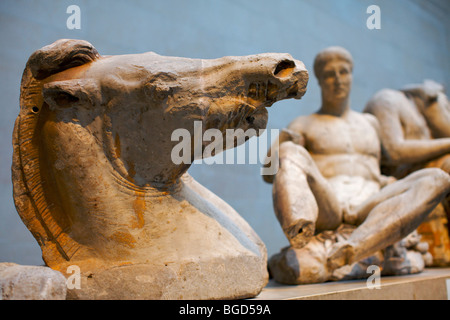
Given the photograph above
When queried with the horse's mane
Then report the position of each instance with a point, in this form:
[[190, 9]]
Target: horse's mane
[[34, 191]]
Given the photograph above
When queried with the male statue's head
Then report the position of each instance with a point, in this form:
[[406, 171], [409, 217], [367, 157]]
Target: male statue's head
[[333, 68]]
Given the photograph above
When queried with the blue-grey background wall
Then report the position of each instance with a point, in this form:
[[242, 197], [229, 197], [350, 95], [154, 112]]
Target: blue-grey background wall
[[412, 45]]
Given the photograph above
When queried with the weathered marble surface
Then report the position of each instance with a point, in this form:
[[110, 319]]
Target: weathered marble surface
[[415, 132], [95, 182], [339, 213], [19, 282]]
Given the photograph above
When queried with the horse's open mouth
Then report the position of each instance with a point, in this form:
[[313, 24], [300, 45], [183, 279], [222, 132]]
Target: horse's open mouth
[[267, 93], [249, 116]]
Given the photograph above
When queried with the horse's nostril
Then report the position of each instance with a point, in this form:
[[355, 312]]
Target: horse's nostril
[[250, 119], [284, 68]]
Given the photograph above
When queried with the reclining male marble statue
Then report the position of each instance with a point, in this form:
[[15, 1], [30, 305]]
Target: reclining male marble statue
[[95, 183], [415, 134], [339, 213]]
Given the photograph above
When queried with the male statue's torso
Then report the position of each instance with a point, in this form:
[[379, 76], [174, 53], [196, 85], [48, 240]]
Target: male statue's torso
[[346, 150]]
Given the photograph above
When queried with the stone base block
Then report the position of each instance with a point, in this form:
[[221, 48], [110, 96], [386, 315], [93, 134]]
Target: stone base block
[[431, 284]]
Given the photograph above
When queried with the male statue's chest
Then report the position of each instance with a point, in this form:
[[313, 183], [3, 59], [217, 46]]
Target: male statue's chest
[[342, 136]]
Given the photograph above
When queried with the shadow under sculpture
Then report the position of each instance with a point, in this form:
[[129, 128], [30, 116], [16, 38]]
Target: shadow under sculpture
[[339, 213], [415, 134], [95, 183]]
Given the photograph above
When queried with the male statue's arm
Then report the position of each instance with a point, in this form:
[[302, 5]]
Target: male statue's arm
[[286, 134], [400, 150]]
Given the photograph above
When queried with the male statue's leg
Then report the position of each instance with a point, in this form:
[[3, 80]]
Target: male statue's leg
[[303, 200], [402, 206], [301, 265]]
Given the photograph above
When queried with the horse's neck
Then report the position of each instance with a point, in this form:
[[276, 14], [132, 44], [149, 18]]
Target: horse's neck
[[95, 195]]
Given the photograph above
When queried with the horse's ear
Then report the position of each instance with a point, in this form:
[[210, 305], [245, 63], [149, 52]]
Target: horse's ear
[[66, 94]]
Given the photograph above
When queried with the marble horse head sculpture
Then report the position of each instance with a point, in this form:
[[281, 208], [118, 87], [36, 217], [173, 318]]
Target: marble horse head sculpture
[[94, 181]]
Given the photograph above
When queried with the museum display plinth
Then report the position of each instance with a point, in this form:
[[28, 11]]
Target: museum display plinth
[[431, 284]]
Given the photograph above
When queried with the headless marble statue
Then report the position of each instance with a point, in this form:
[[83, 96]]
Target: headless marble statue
[[415, 133]]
